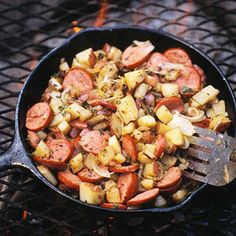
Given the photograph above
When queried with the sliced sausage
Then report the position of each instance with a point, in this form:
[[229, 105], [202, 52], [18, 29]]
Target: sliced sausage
[[103, 103], [94, 141], [39, 116], [144, 197], [135, 55], [203, 123], [80, 78], [68, 179], [191, 81], [127, 185], [88, 175], [57, 133], [178, 55], [172, 103], [61, 151], [124, 169], [201, 73], [113, 205], [160, 145], [173, 188], [156, 61], [33, 139], [129, 145], [170, 178]]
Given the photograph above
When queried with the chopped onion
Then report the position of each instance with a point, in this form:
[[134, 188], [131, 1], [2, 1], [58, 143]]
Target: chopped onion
[[100, 171], [183, 124], [201, 116], [160, 201], [47, 174], [186, 143], [143, 43]]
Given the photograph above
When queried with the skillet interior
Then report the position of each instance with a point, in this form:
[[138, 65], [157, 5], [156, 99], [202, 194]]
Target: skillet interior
[[121, 38]]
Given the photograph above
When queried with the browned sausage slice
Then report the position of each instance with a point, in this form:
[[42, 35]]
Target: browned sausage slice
[[178, 55], [39, 116], [94, 141], [144, 197], [68, 179], [136, 55], [124, 169], [88, 175], [129, 145], [170, 178], [127, 185], [172, 103], [156, 60], [113, 205], [80, 78], [61, 151]]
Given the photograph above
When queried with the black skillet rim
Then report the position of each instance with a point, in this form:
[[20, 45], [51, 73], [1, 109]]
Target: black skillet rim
[[51, 54]]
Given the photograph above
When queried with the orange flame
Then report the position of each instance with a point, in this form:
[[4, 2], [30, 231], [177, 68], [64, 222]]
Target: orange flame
[[101, 14]]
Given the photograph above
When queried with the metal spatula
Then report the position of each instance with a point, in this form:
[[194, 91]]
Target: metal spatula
[[210, 158]]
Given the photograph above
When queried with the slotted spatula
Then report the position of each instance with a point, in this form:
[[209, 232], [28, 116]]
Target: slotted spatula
[[210, 158]]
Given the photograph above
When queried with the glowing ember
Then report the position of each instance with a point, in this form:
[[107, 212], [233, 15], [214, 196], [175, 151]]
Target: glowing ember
[[101, 14]]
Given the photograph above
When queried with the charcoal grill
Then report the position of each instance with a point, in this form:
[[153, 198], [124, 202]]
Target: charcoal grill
[[28, 30]]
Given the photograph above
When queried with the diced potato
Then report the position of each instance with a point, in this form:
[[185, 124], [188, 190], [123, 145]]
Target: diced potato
[[219, 123], [113, 195], [147, 120], [47, 174], [210, 113], [42, 150], [133, 78], [150, 150], [205, 95], [163, 114], [64, 127], [180, 195], [64, 65], [143, 158], [86, 57], [116, 125], [78, 111], [169, 90], [66, 96], [107, 155], [128, 129], [157, 87], [137, 134], [141, 90], [120, 158], [141, 147], [127, 109], [109, 184], [150, 170], [91, 194], [74, 109], [147, 183], [101, 126], [57, 105], [114, 54], [114, 143], [172, 75], [175, 136], [76, 163], [219, 108], [89, 160], [85, 115], [60, 118], [162, 128], [55, 84]]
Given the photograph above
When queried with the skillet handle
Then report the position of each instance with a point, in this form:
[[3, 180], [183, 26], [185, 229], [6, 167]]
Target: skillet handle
[[16, 156]]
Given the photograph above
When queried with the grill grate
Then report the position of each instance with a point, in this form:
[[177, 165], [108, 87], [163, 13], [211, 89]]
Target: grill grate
[[28, 30]]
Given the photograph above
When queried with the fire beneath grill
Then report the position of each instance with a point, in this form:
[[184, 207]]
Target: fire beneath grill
[[28, 30]]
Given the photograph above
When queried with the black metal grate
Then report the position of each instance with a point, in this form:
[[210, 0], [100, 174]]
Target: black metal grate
[[28, 30]]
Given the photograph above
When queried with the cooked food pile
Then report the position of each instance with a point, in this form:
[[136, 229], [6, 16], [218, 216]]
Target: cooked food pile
[[110, 128]]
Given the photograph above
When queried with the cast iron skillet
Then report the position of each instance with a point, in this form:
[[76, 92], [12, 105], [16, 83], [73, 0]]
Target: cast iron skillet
[[19, 152]]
